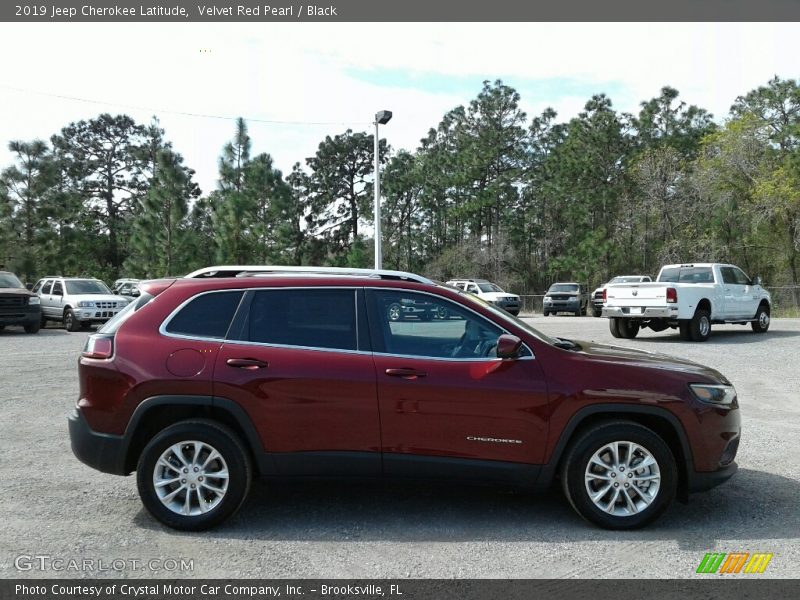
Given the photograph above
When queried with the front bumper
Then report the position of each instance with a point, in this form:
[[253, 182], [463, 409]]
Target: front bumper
[[100, 451], [700, 482], [641, 312], [554, 307], [95, 315], [511, 306], [23, 315]]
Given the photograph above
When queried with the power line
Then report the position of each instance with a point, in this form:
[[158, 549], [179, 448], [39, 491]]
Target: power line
[[177, 112]]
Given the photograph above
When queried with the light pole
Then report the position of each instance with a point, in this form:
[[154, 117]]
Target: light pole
[[381, 118]]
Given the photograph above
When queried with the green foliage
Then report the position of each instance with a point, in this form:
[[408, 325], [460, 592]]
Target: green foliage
[[489, 193]]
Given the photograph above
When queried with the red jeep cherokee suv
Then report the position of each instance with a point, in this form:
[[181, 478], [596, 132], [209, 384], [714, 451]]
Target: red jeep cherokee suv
[[205, 381]]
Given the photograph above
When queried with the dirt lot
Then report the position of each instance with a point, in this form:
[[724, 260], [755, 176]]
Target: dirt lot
[[54, 506]]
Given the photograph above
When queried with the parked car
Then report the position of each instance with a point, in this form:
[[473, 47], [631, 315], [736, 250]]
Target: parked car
[[566, 297], [121, 282], [490, 292], [128, 290], [18, 306], [202, 383], [77, 302], [597, 295], [691, 298]]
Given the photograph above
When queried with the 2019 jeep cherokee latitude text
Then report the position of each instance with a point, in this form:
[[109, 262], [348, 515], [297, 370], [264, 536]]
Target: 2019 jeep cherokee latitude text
[[202, 383]]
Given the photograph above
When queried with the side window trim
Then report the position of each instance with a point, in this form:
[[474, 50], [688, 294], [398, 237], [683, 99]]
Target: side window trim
[[377, 332]]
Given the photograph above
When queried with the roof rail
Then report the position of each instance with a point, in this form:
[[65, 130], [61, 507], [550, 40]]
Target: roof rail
[[253, 270]]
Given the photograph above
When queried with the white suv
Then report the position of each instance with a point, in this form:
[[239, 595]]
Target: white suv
[[77, 302], [490, 292]]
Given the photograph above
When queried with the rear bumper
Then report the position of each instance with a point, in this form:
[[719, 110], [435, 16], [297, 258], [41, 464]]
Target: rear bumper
[[700, 482], [644, 312], [100, 451]]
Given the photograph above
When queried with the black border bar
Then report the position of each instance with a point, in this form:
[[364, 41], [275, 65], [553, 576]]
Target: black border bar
[[398, 10]]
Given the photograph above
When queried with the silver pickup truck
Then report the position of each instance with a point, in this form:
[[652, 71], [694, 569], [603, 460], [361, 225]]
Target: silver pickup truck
[[689, 297]]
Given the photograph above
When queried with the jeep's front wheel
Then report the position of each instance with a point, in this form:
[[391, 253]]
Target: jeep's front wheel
[[619, 475], [194, 474]]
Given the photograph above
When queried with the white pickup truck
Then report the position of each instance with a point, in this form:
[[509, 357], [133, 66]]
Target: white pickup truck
[[690, 298]]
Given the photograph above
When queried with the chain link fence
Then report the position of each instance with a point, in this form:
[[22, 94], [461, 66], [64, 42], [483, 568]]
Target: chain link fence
[[785, 302]]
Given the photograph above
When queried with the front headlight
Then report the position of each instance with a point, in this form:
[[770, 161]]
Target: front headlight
[[34, 300], [85, 304], [548, 299], [721, 395]]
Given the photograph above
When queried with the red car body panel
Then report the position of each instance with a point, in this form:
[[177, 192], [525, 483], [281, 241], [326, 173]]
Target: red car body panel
[[332, 401]]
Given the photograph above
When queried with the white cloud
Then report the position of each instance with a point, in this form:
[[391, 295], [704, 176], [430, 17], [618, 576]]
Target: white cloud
[[302, 72]]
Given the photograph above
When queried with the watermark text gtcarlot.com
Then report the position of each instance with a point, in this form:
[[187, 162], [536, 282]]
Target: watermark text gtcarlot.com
[[47, 562]]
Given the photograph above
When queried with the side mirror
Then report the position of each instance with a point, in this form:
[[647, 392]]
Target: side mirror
[[29, 286], [756, 280], [115, 292], [508, 346]]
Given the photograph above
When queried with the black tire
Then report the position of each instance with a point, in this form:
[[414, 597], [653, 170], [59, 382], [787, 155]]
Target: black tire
[[613, 327], [628, 329], [43, 322], [33, 327], [394, 312], [576, 463], [545, 314], [761, 324], [578, 313], [233, 452], [700, 325], [70, 322], [597, 312], [684, 326]]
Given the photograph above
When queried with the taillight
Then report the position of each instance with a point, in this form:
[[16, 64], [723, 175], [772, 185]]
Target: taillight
[[605, 294], [99, 346], [672, 295]]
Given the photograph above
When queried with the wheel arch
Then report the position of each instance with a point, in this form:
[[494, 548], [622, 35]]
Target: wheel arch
[[155, 413], [705, 304], [659, 420]]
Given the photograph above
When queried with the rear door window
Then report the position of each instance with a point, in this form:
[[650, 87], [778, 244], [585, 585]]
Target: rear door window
[[309, 318], [48, 286], [58, 289], [208, 315]]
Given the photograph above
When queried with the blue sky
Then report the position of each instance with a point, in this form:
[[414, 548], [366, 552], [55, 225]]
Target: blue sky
[[318, 79]]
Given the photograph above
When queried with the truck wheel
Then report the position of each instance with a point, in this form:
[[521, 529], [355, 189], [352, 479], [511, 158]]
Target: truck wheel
[[394, 312], [685, 330], [619, 475], [70, 322], [761, 324], [597, 312], [700, 325], [613, 326], [628, 329], [43, 322], [33, 327], [194, 474], [545, 314]]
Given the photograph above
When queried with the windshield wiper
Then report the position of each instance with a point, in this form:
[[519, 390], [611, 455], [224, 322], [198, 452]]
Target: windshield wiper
[[566, 344]]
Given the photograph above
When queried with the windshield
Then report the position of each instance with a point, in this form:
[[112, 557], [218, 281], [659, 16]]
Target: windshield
[[489, 287], [506, 316], [626, 280], [7, 280], [561, 288], [686, 275], [86, 286]]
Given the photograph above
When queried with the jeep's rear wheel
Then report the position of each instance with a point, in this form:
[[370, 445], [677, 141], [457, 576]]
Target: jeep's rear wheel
[[193, 475], [619, 475]]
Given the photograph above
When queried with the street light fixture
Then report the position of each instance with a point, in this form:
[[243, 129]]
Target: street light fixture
[[381, 118]]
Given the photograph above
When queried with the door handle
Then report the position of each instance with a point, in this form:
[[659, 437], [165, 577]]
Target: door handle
[[250, 364], [405, 373]]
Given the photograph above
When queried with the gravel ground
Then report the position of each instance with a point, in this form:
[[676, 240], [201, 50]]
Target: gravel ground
[[53, 505]]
